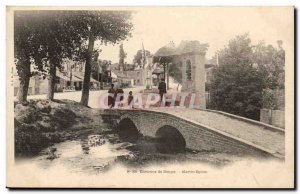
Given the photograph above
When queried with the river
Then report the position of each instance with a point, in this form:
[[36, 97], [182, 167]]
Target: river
[[95, 153]]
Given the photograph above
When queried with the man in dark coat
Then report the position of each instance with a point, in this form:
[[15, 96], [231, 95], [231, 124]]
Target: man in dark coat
[[119, 91], [111, 97], [162, 87]]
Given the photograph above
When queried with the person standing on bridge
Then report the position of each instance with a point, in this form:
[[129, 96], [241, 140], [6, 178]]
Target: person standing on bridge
[[119, 95], [162, 88], [111, 97], [130, 100]]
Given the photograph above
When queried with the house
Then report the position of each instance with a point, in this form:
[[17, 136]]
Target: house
[[69, 78], [37, 85], [122, 79], [140, 76]]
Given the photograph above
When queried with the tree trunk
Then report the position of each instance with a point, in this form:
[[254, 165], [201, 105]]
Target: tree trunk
[[101, 81], [87, 74], [51, 82], [23, 90], [24, 83]]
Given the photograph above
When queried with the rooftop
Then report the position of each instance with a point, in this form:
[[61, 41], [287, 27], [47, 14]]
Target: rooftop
[[183, 48]]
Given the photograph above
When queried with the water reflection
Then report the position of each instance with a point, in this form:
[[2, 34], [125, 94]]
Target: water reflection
[[98, 153]]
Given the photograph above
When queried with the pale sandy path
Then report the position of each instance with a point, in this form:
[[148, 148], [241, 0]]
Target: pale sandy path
[[94, 96]]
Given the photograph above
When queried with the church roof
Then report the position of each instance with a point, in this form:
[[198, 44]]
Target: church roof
[[183, 48], [190, 47], [165, 51]]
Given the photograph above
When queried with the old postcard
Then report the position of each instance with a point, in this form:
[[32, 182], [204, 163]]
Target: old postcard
[[150, 97]]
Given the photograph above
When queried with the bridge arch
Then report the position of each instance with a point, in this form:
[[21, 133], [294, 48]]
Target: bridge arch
[[127, 130], [170, 140]]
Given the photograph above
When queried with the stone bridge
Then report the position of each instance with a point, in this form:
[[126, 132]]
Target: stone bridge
[[201, 130]]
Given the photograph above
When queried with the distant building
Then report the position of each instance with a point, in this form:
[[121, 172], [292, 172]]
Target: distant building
[[140, 76], [37, 85], [122, 79], [70, 78]]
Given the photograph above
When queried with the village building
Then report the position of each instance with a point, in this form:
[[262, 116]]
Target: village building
[[190, 58], [69, 78], [141, 75]]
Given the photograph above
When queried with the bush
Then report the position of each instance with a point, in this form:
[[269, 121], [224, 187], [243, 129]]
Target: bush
[[237, 89], [38, 125]]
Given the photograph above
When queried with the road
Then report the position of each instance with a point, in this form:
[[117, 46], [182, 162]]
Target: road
[[94, 96]]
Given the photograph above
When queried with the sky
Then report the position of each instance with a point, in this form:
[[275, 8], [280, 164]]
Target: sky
[[156, 27]]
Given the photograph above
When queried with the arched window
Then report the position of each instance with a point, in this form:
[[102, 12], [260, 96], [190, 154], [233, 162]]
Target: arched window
[[188, 70]]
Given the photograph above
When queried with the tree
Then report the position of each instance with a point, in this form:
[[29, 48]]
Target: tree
[[27, 49], [237, 85], [105, 26], [270, 61], [54, 38], [139, 56], [237, 89], [99, 70], [238, 51], [165, 61], [175, 72], [122, 56], [245, 74], [60, 40]]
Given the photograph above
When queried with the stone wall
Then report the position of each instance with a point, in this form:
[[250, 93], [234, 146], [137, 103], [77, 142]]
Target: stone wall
[[197, 83], [273, 117], [197, 137]]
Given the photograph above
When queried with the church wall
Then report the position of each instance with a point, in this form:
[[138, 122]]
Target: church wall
[[197, 83]]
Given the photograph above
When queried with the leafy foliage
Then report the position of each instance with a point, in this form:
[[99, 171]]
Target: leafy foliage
[[238, 51], [46, 38], [122, 56], [52, 39], [270, 61], [245, 72], [237, 89], [104, 26], [139, 55], [175, 72], [27, 43]]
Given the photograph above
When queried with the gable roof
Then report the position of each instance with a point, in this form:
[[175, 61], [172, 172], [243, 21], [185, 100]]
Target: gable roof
[[183, 48], [190, 47], [165, 51]]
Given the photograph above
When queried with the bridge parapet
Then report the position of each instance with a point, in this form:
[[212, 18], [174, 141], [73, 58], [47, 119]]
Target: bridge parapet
[[198, 136]]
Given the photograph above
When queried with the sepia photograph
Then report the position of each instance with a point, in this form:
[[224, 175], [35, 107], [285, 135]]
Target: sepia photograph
[[150, 97]]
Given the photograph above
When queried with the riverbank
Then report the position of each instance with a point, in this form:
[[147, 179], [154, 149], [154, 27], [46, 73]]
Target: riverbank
[[63, 131], [42, 123]]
